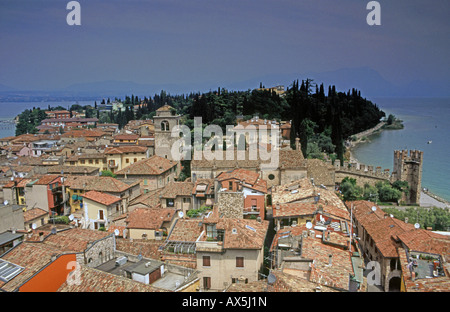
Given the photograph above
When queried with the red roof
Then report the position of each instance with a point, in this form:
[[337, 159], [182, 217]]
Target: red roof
[[102, 198]]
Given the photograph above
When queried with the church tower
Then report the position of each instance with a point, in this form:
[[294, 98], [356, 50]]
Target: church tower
[[165, 120], [409, 168]]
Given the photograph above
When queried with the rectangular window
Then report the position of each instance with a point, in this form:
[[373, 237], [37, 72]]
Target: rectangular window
[[207, 282], [239, 262], [230, 185], [206, 261], [127, 160]]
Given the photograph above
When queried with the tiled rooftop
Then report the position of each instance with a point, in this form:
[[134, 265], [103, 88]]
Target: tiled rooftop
[[174, 189], [437, 284], [149, 218], [125, 149], [150, 199], [243, 233], [20, 255], [34, 213], [426, 241], [334, 275], [94, 280], [95, 183], [249, 178], [186, 230], [102, 198], [154, 165], [286, 282]]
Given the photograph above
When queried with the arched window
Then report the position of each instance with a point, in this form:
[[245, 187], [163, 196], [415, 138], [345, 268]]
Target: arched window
[[165, 125]]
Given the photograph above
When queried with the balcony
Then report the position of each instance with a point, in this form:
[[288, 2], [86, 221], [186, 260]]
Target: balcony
[[209, 246], [113, 165], [252, 211]]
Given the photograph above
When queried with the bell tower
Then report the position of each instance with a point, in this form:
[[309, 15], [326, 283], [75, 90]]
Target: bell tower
[[165, 120]]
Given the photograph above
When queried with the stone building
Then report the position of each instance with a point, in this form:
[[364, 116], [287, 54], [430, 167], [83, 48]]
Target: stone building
[[164, 121], [409, 168]]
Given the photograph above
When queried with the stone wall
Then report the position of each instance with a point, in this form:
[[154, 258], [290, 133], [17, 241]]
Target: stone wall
[[231, 204], [100, 251]]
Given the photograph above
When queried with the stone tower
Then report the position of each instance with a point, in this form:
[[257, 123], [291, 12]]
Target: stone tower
[[165, 120], [409, 168]]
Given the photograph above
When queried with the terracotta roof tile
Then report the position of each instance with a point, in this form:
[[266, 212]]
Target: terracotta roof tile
[[243, 233], [186, 230], [98, 281], [34, 213], [95, 183], [334, 275], [149, 218], [102, 198], [125, 149], [174, 189], [154, 165], [150, 199]]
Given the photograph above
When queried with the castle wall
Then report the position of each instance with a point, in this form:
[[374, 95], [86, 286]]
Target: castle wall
[[364, 174], [407, 167]]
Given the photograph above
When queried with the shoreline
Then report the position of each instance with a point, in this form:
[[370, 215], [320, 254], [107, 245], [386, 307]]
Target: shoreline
[[430, 199], [367, 133]]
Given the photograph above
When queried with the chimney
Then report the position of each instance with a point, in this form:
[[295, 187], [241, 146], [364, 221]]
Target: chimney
[[277, 206], [330, 260], [297, 144], [406, 219]]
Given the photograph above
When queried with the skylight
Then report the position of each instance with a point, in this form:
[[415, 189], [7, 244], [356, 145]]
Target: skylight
[[9, 270]]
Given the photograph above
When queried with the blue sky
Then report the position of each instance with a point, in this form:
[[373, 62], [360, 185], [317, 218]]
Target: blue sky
[[218, 41]]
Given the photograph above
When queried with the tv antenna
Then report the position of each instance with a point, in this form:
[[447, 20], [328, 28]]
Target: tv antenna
[[271, 279]]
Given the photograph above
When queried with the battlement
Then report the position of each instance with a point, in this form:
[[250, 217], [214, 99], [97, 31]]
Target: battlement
[[362, 169], [407, 167], [413, 155]]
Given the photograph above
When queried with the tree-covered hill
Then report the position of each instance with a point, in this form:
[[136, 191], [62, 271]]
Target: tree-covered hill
[[321, 121]]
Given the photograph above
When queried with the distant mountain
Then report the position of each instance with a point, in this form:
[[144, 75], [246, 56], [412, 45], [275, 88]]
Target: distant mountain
[[364, 79]]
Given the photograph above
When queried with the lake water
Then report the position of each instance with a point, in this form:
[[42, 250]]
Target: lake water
[[424, 120], [9, 110]]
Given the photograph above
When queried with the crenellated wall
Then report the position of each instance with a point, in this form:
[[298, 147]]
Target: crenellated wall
[[407, 167], [361, 172]]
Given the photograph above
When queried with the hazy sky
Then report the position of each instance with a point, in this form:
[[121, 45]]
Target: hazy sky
[[215, 41]]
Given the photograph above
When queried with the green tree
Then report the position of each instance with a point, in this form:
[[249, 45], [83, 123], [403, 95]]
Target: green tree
[[350, 191], [107, 173], [387, 193]]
